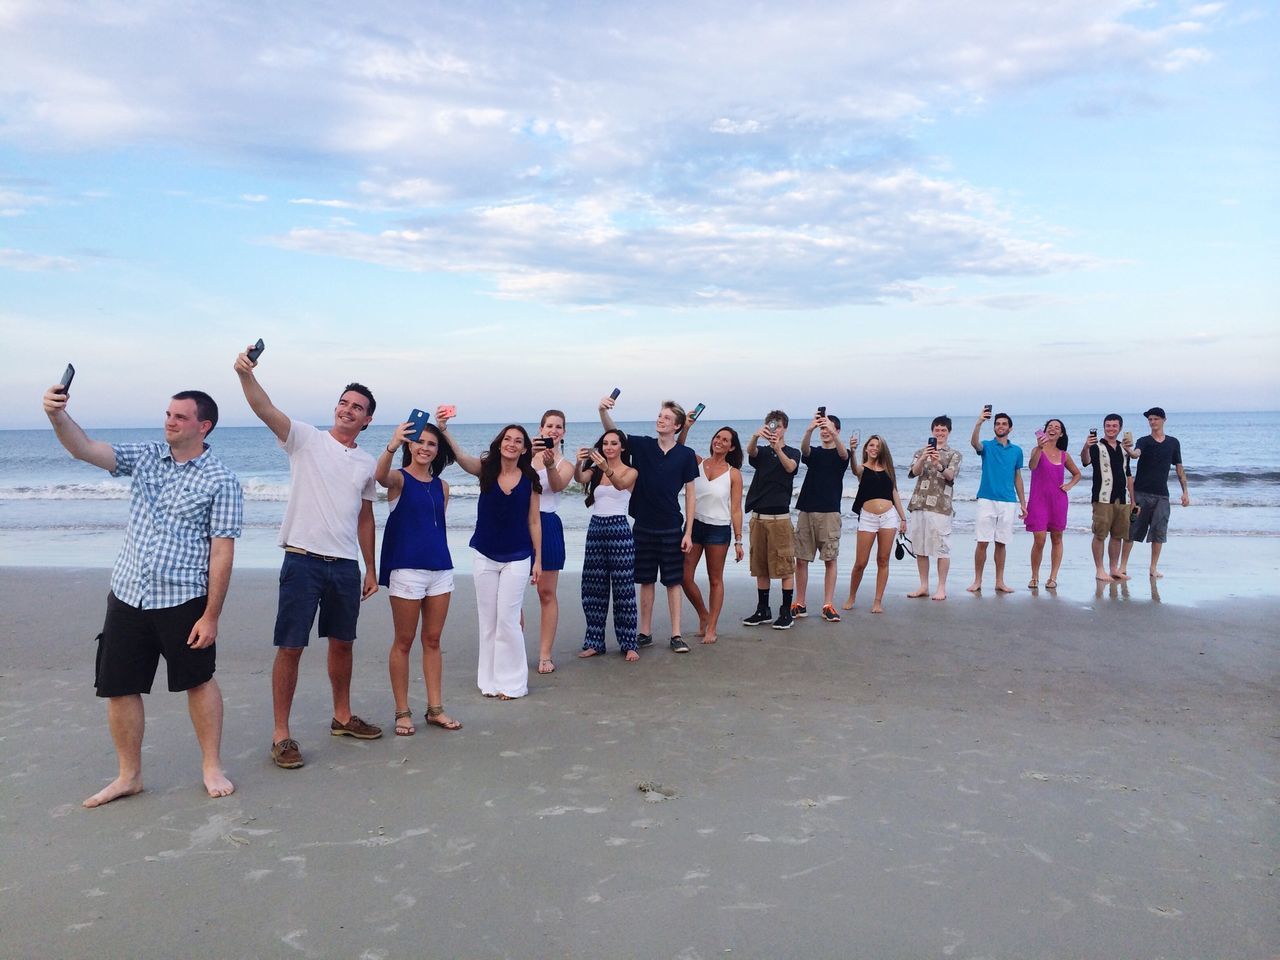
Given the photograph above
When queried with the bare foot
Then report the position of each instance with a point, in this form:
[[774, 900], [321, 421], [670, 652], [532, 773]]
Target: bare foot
[[918, 594], [1156, 575], [702, 628], [587, 653], [975, 587], [632, 656], [1104, 577], [1003, 588], [1119, 575], [848, 604], [940, 595], [114, 790], [546, 666], [709, 638], [216, 782], [876, 608]]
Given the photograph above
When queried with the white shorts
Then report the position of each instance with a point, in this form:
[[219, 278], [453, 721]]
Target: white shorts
[[869, 522], [415, 584], [994, 521], [930, 534]]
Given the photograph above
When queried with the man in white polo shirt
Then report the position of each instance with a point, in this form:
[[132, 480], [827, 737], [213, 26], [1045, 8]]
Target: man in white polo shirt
[[328, 523]]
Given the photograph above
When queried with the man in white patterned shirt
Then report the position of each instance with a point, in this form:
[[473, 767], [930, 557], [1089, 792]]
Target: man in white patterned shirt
[[169, 580]]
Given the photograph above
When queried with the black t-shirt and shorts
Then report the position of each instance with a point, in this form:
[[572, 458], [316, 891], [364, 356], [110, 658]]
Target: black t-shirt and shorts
[[818, 520], [773, 549], [1151, 488]]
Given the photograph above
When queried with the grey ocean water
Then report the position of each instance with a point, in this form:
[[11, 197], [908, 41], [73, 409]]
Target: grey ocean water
[[56, 511]]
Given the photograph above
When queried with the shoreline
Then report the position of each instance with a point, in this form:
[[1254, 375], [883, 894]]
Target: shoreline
[[1068, 779]]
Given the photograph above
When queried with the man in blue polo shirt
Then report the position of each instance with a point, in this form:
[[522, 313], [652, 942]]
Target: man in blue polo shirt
[[999, 490], [169, 580], [662, 539]]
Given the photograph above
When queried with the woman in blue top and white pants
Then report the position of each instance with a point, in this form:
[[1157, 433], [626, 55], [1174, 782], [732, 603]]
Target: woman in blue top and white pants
[[507, 542], [416, 566]]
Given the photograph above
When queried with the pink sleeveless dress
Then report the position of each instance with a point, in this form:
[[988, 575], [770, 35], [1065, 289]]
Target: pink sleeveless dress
[[1047, 503]]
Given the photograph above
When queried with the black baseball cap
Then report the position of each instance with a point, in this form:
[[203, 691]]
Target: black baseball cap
[[1156, 412]]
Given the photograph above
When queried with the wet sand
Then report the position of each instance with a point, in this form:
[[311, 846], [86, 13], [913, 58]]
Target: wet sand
[[1024, 776]]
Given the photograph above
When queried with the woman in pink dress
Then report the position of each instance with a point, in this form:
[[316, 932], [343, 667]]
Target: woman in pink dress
[[1047, 503]]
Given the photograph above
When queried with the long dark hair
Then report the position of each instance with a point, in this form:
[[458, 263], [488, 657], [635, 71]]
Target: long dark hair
[[491, 462], [624, 456], [885, 459], [444, 452], [734, 457], [1062, 440]]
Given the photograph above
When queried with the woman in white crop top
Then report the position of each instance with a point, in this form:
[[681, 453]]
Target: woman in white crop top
[[717, 513], [555, 472], [609, 561]]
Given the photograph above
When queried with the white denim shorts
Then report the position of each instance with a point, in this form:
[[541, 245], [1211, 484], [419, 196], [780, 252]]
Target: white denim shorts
[[869, 522], [994, 521], [416, 584]]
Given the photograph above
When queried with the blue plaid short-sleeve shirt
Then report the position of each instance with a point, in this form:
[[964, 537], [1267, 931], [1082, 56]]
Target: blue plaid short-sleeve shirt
[[174, 511]]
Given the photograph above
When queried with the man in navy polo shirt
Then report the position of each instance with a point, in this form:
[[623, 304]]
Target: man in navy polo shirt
[[662, 538]]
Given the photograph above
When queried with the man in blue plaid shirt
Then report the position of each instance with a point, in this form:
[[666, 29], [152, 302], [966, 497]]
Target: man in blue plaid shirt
[[169, 580]]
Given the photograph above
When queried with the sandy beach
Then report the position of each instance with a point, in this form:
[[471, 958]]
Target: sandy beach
[[1024, 776]]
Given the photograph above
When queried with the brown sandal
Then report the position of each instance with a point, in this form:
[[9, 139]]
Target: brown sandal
[[406, 729], [433, 719]]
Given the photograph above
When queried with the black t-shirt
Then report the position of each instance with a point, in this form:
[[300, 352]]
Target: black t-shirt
[[1154, 461], [1105, 459], [823, 484], [770, 490]]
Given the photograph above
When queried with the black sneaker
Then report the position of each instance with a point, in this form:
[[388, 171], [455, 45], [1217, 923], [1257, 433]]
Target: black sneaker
[[644, 640], [758, 618], [678, 645], [799, 610], [784, 621]]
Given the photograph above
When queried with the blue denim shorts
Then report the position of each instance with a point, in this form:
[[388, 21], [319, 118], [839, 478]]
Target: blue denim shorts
[[308, 583], [712, 534]]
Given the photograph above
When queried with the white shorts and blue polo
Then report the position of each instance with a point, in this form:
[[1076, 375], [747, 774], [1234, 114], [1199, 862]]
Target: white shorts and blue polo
[[997, 495]]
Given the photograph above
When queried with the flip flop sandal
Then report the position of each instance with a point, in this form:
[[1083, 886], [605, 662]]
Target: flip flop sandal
[[433, 719], [405, 729]]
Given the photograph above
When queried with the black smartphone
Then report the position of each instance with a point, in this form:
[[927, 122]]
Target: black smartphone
[[69, 374], [986, 408], [617, 391], [256, 351], [419, 420], [1093, 433], [697, 412], [542, 443], [822, 411], [933, 443]]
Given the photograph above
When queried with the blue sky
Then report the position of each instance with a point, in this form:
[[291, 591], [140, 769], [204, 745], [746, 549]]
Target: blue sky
[[892, 208]]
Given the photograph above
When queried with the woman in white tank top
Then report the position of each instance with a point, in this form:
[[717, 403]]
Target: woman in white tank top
[[717, 514], [555, 472]]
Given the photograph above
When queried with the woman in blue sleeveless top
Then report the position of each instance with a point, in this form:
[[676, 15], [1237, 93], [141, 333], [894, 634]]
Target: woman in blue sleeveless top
[[416, 566], [508, 544]]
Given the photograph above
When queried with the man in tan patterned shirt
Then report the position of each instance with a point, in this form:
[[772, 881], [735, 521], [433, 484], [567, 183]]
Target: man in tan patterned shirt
[[935, 466]]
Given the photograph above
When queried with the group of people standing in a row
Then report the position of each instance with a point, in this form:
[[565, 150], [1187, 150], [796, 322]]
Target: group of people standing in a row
[[171, 576]]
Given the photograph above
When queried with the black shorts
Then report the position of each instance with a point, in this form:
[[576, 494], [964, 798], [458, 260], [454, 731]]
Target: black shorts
[[133, 640], [658, 557]]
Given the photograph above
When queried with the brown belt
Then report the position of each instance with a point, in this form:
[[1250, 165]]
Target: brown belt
[[308, 553]]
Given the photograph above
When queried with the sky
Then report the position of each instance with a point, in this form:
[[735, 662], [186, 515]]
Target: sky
[[890, 208]]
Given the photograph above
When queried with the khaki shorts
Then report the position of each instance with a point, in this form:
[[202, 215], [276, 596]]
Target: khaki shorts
[[1111, 519], [773, 547], [817, 535]]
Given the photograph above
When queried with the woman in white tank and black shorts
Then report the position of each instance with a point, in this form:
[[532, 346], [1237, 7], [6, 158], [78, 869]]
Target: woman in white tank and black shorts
[[555, 473]]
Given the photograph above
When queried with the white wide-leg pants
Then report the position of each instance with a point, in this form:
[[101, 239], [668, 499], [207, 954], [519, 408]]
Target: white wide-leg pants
[[503, 667]]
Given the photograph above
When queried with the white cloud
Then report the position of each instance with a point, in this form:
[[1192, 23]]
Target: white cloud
[[34, 262], [254, 197]]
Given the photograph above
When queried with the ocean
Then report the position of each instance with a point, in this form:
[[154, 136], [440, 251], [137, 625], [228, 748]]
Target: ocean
[[55, 511]]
